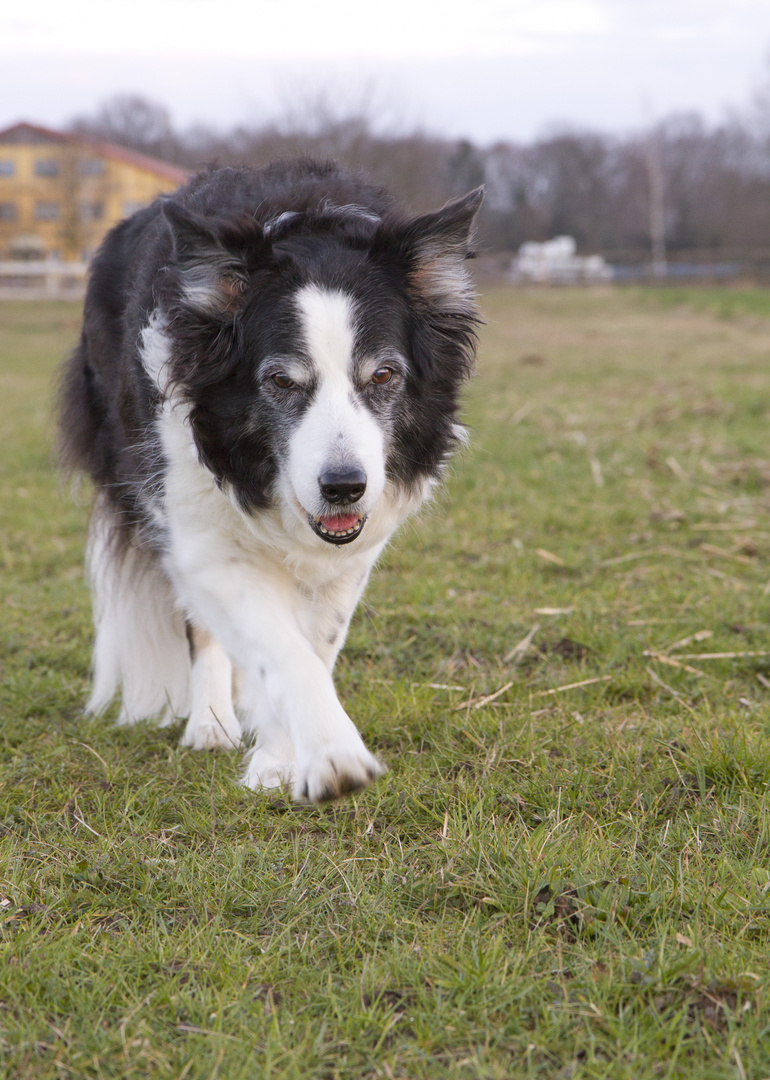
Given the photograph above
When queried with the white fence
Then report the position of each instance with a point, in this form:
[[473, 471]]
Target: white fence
[[42, 279]]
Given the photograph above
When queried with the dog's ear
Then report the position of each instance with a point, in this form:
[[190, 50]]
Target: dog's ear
[[213, 258], [437, 246], [431, 250]]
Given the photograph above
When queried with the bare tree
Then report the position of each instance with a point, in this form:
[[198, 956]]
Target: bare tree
[[654, 162], [605, 191], [132, 121]]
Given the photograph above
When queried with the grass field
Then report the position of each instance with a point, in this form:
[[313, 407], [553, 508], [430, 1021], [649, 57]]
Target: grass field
[[566, 665]]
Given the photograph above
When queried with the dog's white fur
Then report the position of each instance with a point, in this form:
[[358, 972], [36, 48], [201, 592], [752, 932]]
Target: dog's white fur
[[264, 593], [336, 429]]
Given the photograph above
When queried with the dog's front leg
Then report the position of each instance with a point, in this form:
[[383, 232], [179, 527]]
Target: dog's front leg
[[212, 723], [257, 619], [331, 759]]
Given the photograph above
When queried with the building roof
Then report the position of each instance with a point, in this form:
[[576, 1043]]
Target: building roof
[[26, 132]]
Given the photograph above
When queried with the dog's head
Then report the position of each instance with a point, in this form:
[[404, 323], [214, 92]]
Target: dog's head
[[321, 354]]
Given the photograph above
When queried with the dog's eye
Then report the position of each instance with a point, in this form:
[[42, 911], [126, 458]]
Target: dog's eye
[[282, 381], [382, 375]]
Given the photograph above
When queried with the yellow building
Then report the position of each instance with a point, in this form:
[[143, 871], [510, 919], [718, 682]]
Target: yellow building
[[60, 193]]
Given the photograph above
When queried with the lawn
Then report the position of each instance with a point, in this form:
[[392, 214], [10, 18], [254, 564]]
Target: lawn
[[566, 665]]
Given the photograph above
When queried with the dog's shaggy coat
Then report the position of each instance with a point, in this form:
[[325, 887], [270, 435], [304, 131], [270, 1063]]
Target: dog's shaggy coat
[[266, 386]]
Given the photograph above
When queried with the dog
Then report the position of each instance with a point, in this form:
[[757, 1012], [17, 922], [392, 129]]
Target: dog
[[265, 388]]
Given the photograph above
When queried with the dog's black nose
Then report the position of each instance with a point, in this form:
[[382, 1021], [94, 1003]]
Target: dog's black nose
[[345, 486]]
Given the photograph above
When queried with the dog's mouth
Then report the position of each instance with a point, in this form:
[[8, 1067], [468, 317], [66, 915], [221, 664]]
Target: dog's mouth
[[339, 529]]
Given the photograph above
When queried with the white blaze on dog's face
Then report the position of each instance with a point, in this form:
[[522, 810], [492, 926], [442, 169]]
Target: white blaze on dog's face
[[335, 468]]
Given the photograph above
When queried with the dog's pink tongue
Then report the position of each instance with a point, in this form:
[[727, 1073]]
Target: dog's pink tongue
[[341, 523]]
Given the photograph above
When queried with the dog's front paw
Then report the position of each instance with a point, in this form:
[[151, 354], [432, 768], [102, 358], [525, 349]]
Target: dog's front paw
[[212, 732], [339, 768], [265, 770]]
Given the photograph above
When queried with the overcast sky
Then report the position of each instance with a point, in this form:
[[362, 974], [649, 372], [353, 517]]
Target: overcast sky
[[484, 69]]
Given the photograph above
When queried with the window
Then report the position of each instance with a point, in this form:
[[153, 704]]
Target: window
[[46, 167], [7, 168], [47, 211], [7, 211], [91, 167], [91, 211]]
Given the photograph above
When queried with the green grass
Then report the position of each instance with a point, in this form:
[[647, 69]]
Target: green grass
[[727, 302], [562, 883]]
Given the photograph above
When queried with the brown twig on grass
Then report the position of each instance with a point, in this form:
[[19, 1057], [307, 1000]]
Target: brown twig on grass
[[634, 555], [722, 553], [663, 659], [519, 650], [550, 557], [470, 703], [572, 686], [724, 655]]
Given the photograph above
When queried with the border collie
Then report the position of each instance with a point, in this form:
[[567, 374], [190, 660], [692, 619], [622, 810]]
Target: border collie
[[265, 388]]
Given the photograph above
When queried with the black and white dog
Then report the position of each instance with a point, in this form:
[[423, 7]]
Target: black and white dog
[[265, 388]]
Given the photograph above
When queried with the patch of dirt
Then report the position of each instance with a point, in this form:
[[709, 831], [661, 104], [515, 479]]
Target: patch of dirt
[[568, 649], [714, 1005], [563, 908], [393, 997]]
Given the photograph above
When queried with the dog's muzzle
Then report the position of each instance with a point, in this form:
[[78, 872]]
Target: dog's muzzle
[[342, 489]]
